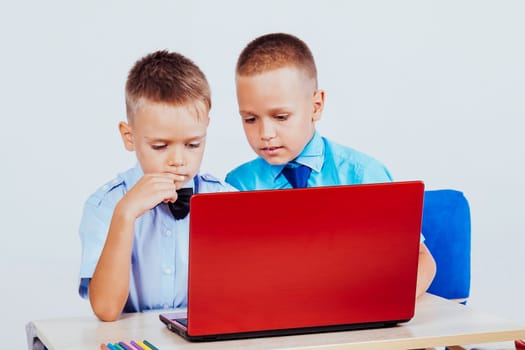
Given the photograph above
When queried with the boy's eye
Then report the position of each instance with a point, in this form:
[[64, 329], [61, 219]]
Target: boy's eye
[[281, 116], [249, 120], [158, 146], [194, 145]]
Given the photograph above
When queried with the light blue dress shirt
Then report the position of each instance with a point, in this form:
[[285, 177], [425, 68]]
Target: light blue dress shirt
[[331, 164], [159, 261]]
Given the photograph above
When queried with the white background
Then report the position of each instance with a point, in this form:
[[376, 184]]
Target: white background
[[434, 89]]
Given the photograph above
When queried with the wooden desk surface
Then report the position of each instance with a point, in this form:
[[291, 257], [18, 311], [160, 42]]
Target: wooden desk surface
[[438, 322]]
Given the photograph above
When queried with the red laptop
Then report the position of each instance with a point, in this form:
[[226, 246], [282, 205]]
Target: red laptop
[[275, 262]]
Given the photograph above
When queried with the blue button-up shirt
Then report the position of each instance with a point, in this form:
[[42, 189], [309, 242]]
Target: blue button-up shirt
[[331, 164], [159, 260]]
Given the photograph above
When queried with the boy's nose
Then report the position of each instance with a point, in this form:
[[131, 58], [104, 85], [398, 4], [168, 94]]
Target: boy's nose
[[176, 159], [267, 131]]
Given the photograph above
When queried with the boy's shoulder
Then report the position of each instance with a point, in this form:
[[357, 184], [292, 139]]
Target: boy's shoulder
[[115, 188], [250, 166], [106, 191], [337, 150], [357, 165], [209, 178], [247, 175], [211, 183]]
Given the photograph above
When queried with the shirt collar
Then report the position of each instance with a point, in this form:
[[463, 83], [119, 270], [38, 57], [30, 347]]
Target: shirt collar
[[312, 156]]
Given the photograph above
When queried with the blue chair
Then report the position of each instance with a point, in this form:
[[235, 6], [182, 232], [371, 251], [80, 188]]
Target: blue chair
[[446, 227]]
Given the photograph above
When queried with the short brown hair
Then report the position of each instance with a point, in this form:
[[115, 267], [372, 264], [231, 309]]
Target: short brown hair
[[166, 77], [273, 51]]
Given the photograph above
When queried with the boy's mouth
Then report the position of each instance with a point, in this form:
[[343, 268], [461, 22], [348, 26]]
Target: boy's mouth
[[271, 150]]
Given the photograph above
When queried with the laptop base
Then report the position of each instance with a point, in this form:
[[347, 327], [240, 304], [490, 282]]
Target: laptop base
[[178, 326]]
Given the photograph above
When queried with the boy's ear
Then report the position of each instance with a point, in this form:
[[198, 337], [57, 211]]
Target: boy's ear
[[127, 136], [318, 103]]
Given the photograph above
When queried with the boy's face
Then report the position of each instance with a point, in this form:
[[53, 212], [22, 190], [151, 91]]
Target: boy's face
[[167, 138], [279, 109]]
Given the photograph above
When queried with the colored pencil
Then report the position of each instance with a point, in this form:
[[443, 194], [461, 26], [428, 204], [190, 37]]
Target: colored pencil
[[126, 346], [143, 346], [152, 347], [136, 346]]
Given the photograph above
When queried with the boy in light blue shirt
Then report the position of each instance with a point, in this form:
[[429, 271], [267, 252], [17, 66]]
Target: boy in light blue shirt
[[279, 103], [134, 230]]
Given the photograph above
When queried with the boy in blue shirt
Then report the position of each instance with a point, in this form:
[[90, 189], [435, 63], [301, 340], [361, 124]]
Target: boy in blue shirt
[[279, 103], [134, 230]]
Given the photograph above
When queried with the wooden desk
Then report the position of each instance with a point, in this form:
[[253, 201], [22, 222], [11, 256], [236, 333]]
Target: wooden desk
[[438, 322]]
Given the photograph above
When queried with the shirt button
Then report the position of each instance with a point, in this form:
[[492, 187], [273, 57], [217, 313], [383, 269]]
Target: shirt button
[[168, 270], [167, 233]]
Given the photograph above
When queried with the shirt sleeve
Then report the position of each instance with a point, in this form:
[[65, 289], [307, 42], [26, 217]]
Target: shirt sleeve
[[375, 172], [234, 179], [93, 230]]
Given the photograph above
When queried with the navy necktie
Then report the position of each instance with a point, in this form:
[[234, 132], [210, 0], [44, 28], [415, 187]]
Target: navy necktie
[[181, 207], [297, 174]]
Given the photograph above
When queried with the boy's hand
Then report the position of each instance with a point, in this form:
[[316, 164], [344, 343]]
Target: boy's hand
[[148, 192]]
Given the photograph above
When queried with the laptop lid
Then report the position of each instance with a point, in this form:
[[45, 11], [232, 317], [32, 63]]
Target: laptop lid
[[303, 260]]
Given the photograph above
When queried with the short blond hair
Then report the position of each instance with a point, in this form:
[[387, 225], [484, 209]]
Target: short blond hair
[[166, 77], [274, 51]]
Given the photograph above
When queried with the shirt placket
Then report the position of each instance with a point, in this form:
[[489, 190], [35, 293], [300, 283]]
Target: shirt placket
[[167, 267]]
